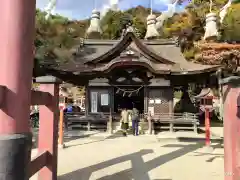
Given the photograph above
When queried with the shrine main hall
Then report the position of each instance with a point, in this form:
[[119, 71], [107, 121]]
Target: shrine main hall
[[129, 71]]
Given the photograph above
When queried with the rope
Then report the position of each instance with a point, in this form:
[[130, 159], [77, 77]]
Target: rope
[[128, 91]]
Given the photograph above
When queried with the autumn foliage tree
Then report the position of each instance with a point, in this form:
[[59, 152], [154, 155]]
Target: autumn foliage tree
[[56, 36]]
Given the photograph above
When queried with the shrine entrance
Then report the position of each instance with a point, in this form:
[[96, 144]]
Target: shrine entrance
[[129, 97]]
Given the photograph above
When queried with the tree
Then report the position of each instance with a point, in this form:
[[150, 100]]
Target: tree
[[57, 35], [231, 25]]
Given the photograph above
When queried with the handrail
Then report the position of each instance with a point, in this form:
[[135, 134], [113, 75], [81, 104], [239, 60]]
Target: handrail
[[161, 116], [176, 116]]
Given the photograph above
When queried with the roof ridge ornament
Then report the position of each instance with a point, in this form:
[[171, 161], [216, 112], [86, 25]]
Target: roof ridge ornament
[[128, 28]]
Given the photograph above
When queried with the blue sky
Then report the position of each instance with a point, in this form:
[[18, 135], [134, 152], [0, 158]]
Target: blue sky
[[81, 9]]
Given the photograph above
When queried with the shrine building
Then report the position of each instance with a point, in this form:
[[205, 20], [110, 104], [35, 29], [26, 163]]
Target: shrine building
[[129, 71]]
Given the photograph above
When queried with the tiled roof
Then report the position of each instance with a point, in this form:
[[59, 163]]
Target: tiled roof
[[160, 56]]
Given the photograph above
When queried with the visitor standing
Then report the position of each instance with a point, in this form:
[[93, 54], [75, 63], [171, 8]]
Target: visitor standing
[[124, 121], [69, 108], [135, 121]]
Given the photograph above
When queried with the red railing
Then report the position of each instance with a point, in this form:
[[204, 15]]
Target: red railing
[[38, 162], [2, 91], [45, 163]]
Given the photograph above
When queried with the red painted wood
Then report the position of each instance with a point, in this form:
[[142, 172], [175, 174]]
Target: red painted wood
[[48, 132], [41, 98], [207, 127], [39, 162], [61, 131], [16, 54], [2, 95], [231, 133]]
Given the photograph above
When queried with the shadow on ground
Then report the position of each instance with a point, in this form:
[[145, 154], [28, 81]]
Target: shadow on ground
[[94, 139], [214, 156], [119, 134], [139, 169], [68, 137]]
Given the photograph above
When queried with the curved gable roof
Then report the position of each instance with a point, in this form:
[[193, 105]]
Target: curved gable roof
[[123, 44]]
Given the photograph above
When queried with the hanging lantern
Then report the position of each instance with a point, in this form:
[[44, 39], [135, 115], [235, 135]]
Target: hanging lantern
[[211, 30]]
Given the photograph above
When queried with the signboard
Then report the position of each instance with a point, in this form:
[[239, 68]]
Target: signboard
[[104, 99], [158, 101], [151, 101], [151, 111]]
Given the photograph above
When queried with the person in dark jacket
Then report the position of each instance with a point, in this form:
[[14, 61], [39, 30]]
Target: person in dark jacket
[[135, 121]]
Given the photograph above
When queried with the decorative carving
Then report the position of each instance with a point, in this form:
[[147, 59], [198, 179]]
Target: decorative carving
[[129, 77], [130, 52], [136, 79], [121, 79]]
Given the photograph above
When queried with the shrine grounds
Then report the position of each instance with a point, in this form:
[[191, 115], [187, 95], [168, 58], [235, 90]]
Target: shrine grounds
[[98, 156]]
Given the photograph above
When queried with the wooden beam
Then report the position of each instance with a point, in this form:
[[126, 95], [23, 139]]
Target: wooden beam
[[41, 98], [38, 162], [2, 95]]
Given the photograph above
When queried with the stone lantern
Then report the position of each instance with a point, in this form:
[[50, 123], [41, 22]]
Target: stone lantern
[[206, 105]]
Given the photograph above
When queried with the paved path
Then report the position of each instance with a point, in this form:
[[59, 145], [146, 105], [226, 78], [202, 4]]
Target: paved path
[[139, 158]]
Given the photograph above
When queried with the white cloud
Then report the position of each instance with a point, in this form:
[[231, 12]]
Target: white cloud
[[42, 3], [81, 9], [162, 2]]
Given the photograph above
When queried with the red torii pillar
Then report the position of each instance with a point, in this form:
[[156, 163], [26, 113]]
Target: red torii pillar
[[17, 19], [231, 97]]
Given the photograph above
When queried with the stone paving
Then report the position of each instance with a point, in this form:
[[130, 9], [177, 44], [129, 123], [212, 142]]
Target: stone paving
[[99, 157]]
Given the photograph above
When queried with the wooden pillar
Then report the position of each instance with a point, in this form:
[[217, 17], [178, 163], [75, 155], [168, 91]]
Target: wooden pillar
[[16, 54], [171, 99], [146, 113], [145, 99], [110, 123], [110, 119], [87, 100], [61, 130], [207, 128], [48, 131], [231, 97]]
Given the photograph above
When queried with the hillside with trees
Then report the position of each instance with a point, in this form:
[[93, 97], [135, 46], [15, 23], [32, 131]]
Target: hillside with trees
[[56, 36]]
